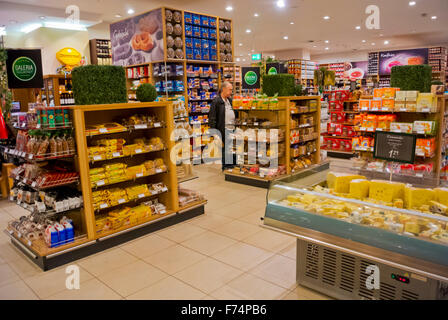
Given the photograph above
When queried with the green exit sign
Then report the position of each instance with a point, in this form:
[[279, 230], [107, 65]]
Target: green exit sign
[[256, 56]]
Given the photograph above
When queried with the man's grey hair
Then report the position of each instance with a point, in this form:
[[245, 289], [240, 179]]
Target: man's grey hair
[[225, 84]]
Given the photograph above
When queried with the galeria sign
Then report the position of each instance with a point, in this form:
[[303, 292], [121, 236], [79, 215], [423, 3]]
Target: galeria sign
[[24, 68], [251, 78]]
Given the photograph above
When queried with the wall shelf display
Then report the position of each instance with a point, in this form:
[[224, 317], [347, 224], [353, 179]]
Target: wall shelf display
[[57, 91], [303, 71], [100, 52], [294, 117], [132, 190]]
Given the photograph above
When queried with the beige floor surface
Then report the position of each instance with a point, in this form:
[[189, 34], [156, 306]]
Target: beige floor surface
[[224, 254]]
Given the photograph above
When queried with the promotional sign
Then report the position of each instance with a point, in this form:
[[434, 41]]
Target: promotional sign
[[391, 146], [140, 39], [389, 59], [355, 70], [251, 77], [24, 68], [275, 68]]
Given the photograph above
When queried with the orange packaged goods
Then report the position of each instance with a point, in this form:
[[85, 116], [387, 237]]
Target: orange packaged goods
[[388, 105], [356, 143], [364, 105], [389, 93], [376, 105], [378, 93], [370, 122], [425, 147], [358, 121], [384, 122]]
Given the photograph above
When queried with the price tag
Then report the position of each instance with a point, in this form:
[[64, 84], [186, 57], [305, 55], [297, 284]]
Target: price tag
[[16, 152], [25, 180], [29, 243], [6, 150], [261, 175], [18, 202], [164, 189], [103, 205], [426, 110], [23, 125], [385, 109], [116, 154], [19, 235], [30, 156], [158, 170], [34, 184], [379, 129], [419, 175], [38, 126], [364, 109], [141, 195], [104, 130], [244, 123], [403, 109], [141, 126], [23, 154], [25, 205], [396, 131], [371, 129], [11, 198], [97, 158], [163, 212], [157, 125], [139, 175], [362, 129], [100, 183], [138, 151], [255, 123], [375, 109], [421, 132]]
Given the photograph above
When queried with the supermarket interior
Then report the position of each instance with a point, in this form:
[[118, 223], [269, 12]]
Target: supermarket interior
[[224, 150]]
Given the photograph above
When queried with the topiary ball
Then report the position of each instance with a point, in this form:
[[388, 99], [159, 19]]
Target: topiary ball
[[146, 93], [298, 90]]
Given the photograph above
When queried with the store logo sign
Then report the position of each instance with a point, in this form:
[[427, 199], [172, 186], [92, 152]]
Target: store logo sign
[[272, 70], [24, 68], [73, 280], [373, 280], [251, 78]]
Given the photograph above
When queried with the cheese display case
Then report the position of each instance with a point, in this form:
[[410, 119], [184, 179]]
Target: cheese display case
[[385, 222]]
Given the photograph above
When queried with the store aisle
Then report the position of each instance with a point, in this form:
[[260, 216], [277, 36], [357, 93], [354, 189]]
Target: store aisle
[[224, 254]]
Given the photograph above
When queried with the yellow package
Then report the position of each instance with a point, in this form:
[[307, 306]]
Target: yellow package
[[115, 166], [96, 171], [120, 212], [141, 210], [97, 177], [158, 162], [115, 173]]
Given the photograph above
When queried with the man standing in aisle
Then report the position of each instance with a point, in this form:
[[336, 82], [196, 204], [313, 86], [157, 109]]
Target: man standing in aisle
[[222, 117]]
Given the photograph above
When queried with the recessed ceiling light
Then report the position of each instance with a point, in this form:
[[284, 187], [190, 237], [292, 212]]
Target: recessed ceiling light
[[131, 11], [373, 43], [118, 15], [42, 17], [291, 22], [326, 41], [285, 37], [326, 18], [434, 17], [229, 8], [238, 59], [327, 48], [412, 3], [386, 42], [244, 59], [256, 14], [280, 3], [248, 31], [13, 21], [314, 46], [240, 44], [358, 27], [363, 41], [381, 34]]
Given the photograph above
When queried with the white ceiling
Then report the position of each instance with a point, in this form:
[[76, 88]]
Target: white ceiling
[[401, 24]]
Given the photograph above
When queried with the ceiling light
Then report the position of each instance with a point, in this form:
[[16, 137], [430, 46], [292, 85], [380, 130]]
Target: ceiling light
[[327, 48], [229, 8], [238, 59], [326, 41], [42, 17], [285, 37], [2, 31], [248, 31], [280, 3], [13, 21], [255, 14], [31, 27], [118, 15], [326, 18], [412, 3], [434, 17], [358, 27], [240, 44], [373, 43], [244, 59], [363, 41], [386, 42], [381, 34], [131, 11], [291, 22], [314, 46], [65, 26]]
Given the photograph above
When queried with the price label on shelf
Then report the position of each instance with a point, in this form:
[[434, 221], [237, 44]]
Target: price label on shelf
[[25, 205], [253, 108], [104, 130], [164, 189], [421, 132], [244, 123], [34, 184], [18, 202], [426, 110], [375, 109], [419, 175], [137, 151], [38, 126], [6, 150], [104, 205], [116, 154], [29, 243], [385, 109], [14, 124], [97, 158], [141, 126], [139, 175], [364, 109], [25, 180], [100, 183], [162, 211], [141, 195], [23, 154], [255, 123], [403, 109], [11, 198], [379, 129], [120, 201], [158, 170], [396, 131], [30, 156], [261, 175], [19, 235], [157, 125]]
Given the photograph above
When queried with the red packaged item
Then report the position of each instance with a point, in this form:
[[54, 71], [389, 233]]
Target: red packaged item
[[350, 131], [336, 144], [348, 145], [336, 106], [340, 117], [338, 129]]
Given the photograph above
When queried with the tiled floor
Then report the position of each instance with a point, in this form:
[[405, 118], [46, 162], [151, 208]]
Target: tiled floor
[[224, 254]]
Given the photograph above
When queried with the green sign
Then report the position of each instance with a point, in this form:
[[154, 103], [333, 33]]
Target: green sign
[[256, 56], [251, 78], [272, 70], [24, 68]]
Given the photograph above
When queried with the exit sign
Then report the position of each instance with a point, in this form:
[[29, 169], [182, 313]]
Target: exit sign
[[256, 56]]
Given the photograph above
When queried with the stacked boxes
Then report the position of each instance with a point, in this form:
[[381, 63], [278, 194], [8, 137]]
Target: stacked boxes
[[201, 37]]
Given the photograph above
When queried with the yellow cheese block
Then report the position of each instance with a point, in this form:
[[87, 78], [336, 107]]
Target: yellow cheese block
[[412, 227], [359, 188], [417, 197], [294, 198], [386, 191], [442, 195], [343, 178]]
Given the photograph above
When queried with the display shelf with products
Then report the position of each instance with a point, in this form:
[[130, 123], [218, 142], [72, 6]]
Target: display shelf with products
[[437, 59], [57, 91], [100, 52], [357, 222]]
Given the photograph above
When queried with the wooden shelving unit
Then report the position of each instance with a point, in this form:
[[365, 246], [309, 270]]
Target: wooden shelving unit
[[100, 51], [55, 89]]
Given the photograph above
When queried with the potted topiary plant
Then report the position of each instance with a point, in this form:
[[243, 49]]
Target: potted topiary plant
[[146, 93]]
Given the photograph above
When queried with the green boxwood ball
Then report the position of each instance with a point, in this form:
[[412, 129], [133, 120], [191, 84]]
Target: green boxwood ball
[[146, 93], [298, 90]]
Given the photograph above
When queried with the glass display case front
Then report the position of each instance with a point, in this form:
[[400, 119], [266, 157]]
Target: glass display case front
[[384, 214]]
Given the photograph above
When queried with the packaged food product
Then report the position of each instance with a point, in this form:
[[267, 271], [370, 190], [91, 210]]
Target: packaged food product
[[375, 105], [364, 105], [424, 127], [425, 102], [388, 105]]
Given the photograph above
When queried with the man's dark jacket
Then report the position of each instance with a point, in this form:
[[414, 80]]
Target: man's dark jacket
[[217, 115]]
